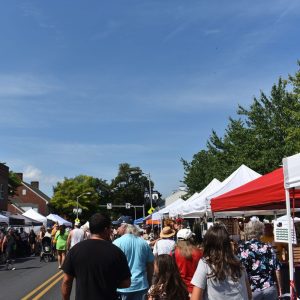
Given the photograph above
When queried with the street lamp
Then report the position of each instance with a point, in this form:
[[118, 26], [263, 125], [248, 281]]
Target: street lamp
[[86, 193], [150, 188]]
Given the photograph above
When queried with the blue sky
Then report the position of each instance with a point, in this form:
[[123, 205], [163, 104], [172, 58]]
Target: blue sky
[[87, 85]]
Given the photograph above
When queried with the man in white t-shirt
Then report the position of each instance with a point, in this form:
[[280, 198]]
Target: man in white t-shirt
[[166, 243], [76, 235]]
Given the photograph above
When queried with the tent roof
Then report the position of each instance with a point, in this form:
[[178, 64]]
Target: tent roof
[[197, 198], [16, 219], [239, 177], [32, 214], [60, 220], [265, 192], [3, 219], [172, 205]]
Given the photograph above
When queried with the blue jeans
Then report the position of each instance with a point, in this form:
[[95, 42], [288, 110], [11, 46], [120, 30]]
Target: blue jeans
[[266, 294], [139, 295]]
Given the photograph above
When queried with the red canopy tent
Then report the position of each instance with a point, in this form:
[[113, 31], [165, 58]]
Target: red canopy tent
[[264, 193]]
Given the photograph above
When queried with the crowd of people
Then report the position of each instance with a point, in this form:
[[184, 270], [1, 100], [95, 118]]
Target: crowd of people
[[128, 262], [17, 243], [132, 263]]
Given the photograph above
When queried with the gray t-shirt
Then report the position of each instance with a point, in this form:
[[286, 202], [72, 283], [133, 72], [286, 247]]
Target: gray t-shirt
[[215, 289]]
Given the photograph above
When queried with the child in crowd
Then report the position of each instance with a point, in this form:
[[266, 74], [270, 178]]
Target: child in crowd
[[167, 281]]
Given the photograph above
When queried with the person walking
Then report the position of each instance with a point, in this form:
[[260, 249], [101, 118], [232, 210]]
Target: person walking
[[261, 263], [61, 237], [98, 266], [8, 247], [186, 256], [140, 260], [75, 236], [168, 284], [219, 275], [166, 243], [32, 241]]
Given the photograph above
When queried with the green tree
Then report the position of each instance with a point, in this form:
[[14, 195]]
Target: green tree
[[13, 182], [265, 133], [65, 196], [129, 186]]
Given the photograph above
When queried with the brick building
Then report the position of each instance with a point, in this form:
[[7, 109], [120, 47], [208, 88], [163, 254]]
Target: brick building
[[28, 195], [4, 174]]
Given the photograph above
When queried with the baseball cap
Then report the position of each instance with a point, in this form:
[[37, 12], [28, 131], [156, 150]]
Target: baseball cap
[[123, 219], [184, 234]]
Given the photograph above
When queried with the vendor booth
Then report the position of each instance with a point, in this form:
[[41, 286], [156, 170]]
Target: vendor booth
[[4, 219], [168, 208], [34, 215], [202, 205], [267, 194], [57, 219], [179, 210], [19, 220], [197, 207], [264, 193]]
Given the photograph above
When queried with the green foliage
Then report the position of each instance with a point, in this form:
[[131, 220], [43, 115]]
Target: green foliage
[[127, 187], [13, 182], [265, 133], [66, 193]]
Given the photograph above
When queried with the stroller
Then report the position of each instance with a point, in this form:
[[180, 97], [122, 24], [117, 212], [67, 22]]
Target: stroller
[[46, 253]]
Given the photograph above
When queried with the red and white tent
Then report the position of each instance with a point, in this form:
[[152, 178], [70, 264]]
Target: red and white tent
[[264, 193]]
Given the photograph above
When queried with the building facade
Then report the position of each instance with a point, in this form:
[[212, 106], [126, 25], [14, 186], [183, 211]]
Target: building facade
[[28, 195], [4, 174]]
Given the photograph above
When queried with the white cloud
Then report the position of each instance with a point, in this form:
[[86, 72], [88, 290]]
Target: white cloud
[[32, 173], [23, 85]]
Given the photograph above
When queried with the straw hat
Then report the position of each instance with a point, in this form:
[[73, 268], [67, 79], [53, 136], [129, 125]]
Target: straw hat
[[167, 232]]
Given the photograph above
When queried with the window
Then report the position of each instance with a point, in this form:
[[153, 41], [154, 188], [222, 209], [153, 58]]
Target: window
[[23, 192]]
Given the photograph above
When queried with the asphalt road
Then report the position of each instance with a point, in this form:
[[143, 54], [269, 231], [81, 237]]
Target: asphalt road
[[32, 280]]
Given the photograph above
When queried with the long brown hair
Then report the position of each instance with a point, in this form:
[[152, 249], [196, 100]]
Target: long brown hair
[[219, 254], [62, 229], [168, 280]]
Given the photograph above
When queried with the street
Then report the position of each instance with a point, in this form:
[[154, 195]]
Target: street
[[32, 280]]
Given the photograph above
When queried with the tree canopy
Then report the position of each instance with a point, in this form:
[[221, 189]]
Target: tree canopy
[[128, 186], [260, 137]]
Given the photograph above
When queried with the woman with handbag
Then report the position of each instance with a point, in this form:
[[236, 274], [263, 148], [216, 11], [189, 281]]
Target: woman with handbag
[[219, 275]]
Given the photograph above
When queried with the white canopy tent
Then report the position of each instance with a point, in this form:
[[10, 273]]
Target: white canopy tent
[[291, 171], [197, 208], [186, 206], [202, 204], [34, 215], [60, 220], [238, 178], [4, 219], [167, 209]]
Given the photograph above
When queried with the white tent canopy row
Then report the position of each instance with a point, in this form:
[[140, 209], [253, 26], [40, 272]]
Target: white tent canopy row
[[168, 208], [201, 205], [4, 219], [159, 214], [34, 215], [198, 199], [59, 220]]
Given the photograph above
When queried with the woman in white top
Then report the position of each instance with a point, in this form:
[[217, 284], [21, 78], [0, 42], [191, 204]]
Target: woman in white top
[[166, 243], [219, 275]]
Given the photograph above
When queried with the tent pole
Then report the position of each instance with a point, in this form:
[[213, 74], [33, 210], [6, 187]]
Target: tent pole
[[290, 243]]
